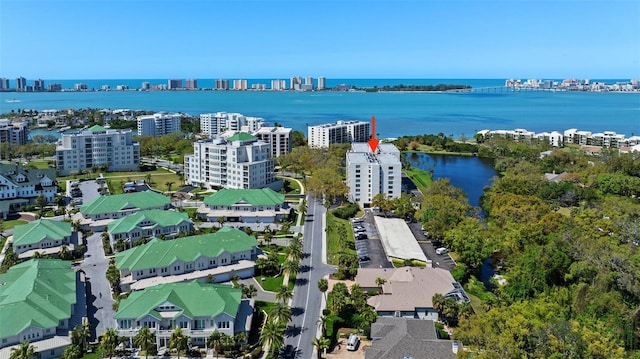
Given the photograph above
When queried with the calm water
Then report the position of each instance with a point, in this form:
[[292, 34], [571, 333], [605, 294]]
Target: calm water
[[471, 174], [397, 114]]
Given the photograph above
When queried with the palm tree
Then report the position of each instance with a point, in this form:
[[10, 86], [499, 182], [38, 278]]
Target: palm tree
[[178, 340], [64, 253], [72, 352], [249, 291], [220, 221], [272, 335], [144, 339], [323, 286], [294, 251], [320, 343], [284, 294], [109, 342], [214, 341], [323, 321], [289, 269], [169, 184], [438, 302], [240, 339], [24, 351], [280, 313]]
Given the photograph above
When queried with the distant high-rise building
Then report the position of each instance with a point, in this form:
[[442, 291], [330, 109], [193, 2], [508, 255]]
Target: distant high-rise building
[[308, 81], [213, 124], [4, 84], [146, 86], [278, 85], [21, 84], [16, 132], [174, 84], [158, 124], [339, 132], [321, 83], [222, 84], [295, 83], [279, 138], [191, 84], [80, 87], [54, 87], [38, 85], [240, 84]]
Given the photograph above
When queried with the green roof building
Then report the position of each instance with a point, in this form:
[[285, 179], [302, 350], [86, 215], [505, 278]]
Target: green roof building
[[43, 235], [197, 308], [245, 206], [121, 205], [181, 256], [20, 186], [148, 224], [37, 297]]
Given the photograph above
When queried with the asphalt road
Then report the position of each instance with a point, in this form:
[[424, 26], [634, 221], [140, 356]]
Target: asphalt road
[[99, 301], [306, 302]]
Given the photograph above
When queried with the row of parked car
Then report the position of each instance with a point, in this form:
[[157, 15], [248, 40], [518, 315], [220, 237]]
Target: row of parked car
[[360, 234]]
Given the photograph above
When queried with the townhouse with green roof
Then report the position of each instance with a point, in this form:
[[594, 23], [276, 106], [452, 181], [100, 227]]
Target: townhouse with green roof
[[45, 236], [147, 224], [219, 256], [102, 210], [20, 186], [245, 206], [37, 302], [197, 308]]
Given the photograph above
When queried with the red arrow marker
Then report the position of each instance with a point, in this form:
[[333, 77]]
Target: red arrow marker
[[373, 143]]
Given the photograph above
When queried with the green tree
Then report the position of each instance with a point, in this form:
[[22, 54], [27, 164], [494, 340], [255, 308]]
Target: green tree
[[323, 286], [272, 335], [214, 341], [290, 269], [321, 343], [24, 351], [280, 312], [109, 342], [73, 351], [178, 340], [284, 294], [145, 339]]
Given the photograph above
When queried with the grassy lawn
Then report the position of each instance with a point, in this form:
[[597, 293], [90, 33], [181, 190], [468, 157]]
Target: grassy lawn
[[478, 293], [290, 186], [333, 236], [270, 284], [95, 355], [39, 164], [12, 223], [419, 177], [159, 178]]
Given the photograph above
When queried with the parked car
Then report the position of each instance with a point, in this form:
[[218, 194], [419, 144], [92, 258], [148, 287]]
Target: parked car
[[361, 235], [353, 342], [441, 251]]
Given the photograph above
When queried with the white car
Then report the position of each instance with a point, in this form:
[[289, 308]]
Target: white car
[[441, 251]]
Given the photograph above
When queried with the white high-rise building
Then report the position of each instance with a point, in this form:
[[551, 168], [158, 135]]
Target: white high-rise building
[[158, 124], [16, 132], [322, 83], [221, 84], [240, 85], [278, 137], [278, 85], [97, 146], [369, 174], [296, 82], [240, 161], [213, 124], [339, 132]]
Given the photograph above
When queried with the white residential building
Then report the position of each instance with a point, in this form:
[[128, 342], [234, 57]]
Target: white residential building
[[278, 85], [15, 132], [278, 137], [97, 146], [214, 124], [240, 85], [369, 174], [339, 132], [240, 161], [322, 83], [158, 124], [555, 138]]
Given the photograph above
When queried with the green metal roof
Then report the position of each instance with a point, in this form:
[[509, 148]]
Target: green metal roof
[[256, 197], [37, 292], [40, 229], [242, 136], [157, 216], [117, 202], [97, 128], [32, 176], [158, 253], [194, 299]]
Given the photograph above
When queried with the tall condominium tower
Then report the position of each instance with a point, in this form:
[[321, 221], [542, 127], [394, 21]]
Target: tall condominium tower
[[174, 84], [158, 124], [321, 83], [339, 132], [191, 84], [21, 84], [369, 173], [222, 84]]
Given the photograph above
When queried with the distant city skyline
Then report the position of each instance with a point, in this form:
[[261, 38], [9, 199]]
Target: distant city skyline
[[72, 39]]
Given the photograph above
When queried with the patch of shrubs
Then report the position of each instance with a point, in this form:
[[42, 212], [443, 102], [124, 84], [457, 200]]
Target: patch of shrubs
[[347, 211]]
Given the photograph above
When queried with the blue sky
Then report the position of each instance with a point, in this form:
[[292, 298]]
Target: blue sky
[[88, 39]]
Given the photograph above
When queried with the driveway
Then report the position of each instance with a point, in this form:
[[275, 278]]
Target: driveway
[[99, 301], [443, 261]]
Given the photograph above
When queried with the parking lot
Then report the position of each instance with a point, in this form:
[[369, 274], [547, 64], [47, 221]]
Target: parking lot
[[88, 191], [371, 251]]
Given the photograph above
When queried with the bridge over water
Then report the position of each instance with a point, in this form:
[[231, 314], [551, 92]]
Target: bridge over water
[[500, 89]]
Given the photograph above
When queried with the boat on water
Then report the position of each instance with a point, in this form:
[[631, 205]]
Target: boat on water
[[13, 100]]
